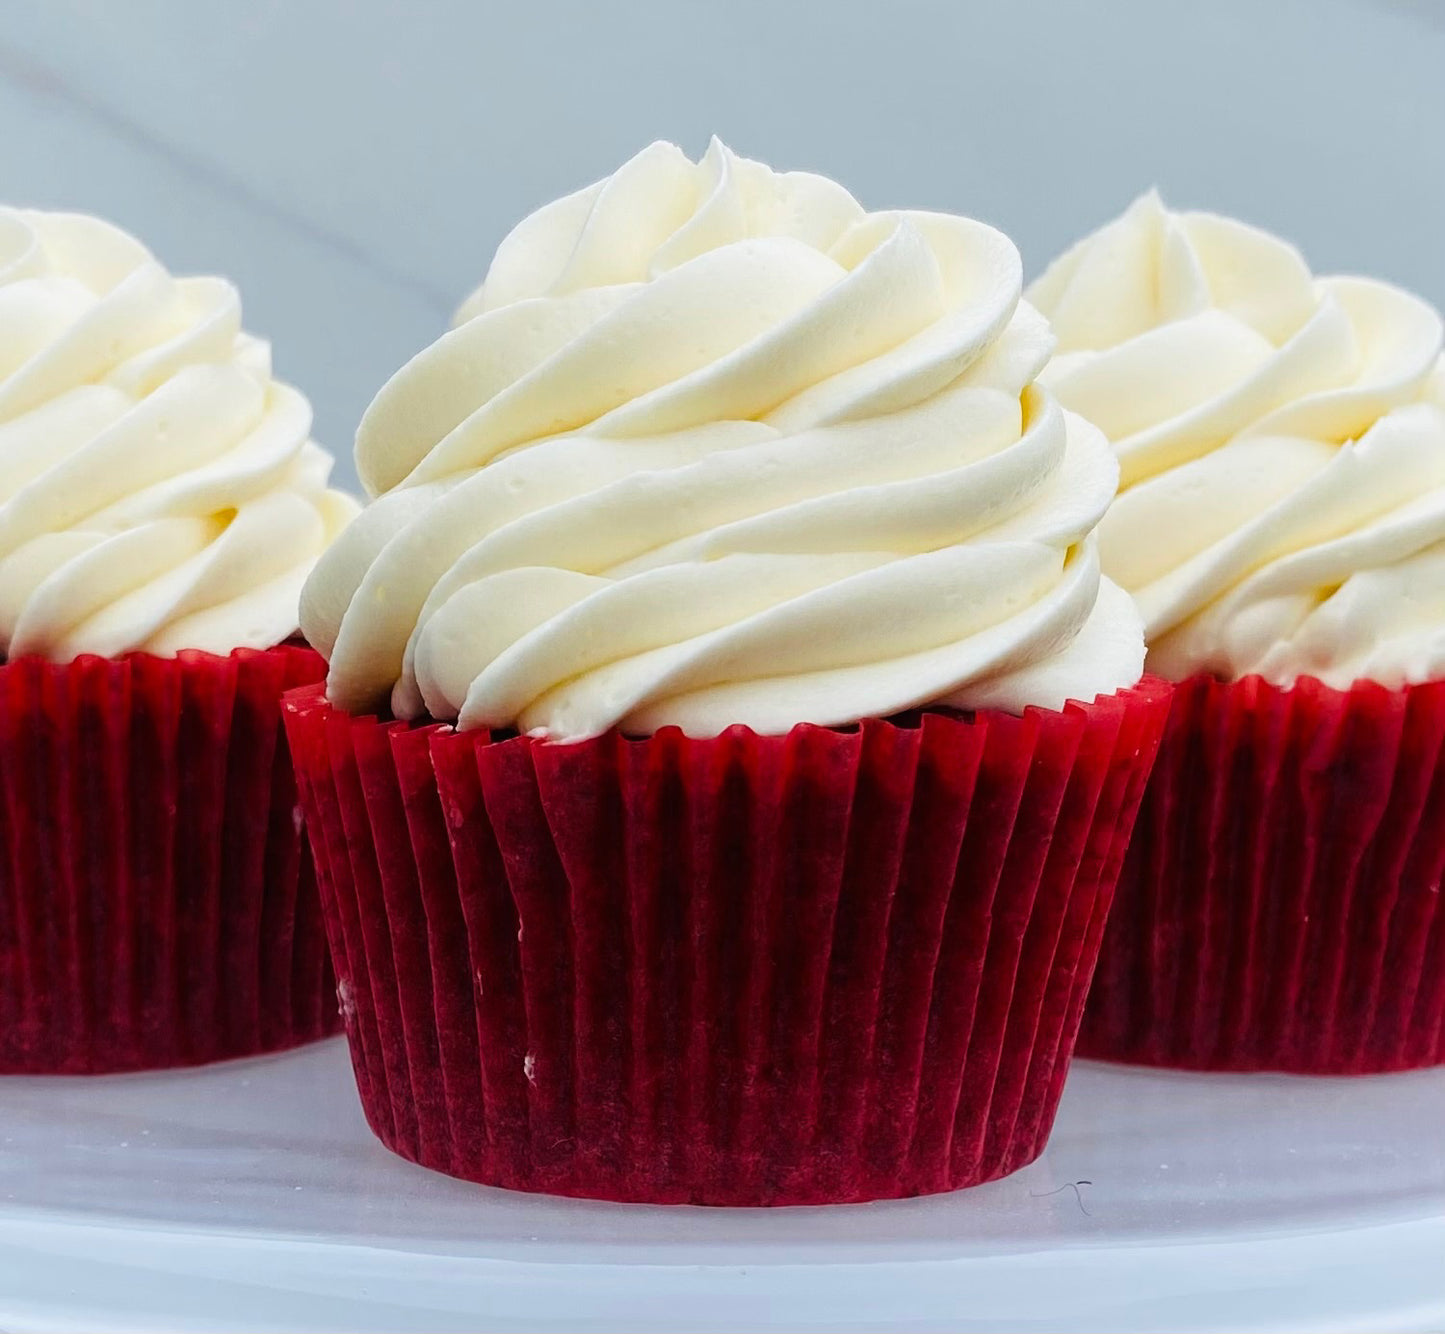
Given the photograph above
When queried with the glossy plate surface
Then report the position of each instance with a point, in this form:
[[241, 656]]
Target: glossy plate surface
[[251, 1196]]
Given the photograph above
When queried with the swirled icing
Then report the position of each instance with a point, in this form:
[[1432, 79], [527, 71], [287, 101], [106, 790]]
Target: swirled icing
[[1281, 440], [158, 489], [714, 445]]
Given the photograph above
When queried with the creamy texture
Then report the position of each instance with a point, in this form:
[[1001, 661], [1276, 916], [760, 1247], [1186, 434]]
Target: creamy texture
[[712, 445], [158, 489], [1281, 441]]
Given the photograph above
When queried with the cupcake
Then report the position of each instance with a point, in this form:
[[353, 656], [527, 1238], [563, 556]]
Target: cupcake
[[729, 745], [1281, 523], [160, 507]]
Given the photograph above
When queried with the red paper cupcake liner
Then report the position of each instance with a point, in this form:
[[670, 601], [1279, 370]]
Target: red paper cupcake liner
[[157, 898], [828, 966], [1280, 905]]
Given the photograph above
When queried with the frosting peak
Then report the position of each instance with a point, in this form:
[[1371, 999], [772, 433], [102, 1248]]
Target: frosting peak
[[158, 490], [711, 445], [1281, 444]]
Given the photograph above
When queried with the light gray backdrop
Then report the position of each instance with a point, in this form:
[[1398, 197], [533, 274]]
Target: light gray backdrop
[[352, 165]]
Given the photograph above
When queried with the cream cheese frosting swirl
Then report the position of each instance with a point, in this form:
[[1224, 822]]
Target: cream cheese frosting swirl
[[158, 489], [1281, 441], [713, 445]]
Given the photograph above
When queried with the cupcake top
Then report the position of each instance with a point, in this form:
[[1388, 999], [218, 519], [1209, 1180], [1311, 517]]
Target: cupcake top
[[158, 490], [713, 445], [1281, 444]]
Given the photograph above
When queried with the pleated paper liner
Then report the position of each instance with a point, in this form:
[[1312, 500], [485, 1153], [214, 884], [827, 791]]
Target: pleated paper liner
[[157, 898], [835, 965], [1280, 908]]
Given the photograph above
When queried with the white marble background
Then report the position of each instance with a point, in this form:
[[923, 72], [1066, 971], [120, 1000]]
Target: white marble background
[[352, 165]]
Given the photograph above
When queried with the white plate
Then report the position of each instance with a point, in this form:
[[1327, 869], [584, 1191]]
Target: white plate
[[251, 1196]]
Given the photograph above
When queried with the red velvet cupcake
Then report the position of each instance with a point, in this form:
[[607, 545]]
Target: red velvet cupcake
[[1281, 523], [702, 803], [161, 507]]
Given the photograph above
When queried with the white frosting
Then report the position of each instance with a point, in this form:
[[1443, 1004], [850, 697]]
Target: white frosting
[[1281, 441], [158, 490], [712, 445]]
